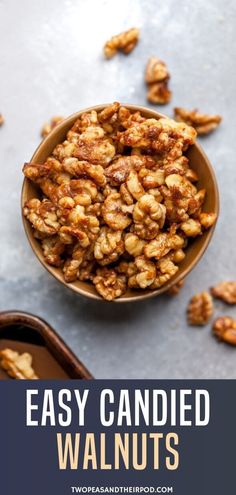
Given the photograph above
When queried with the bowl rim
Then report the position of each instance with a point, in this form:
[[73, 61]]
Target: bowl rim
[[139, 296]]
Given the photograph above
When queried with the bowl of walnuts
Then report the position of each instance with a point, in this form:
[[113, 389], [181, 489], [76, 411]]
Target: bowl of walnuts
[[119, 202]]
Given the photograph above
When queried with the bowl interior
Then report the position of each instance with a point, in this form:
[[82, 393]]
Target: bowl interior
[[198, 162]]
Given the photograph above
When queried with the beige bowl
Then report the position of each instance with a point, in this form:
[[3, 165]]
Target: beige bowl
[[199, 162]]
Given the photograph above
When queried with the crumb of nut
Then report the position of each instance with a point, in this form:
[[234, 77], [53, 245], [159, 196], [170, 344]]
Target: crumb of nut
[[124, 42], [224, 328], [118, 198], [226, 291], [1, 119], [17, 365], [157, 77], [49, 126], [203, 123], [109, 283], [200, 309], [176, 288]]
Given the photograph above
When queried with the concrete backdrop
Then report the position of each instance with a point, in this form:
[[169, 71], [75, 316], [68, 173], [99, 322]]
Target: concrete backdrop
[[51, 63]]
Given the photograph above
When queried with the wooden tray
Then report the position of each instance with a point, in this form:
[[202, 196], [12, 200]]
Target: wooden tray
[[52, 359]]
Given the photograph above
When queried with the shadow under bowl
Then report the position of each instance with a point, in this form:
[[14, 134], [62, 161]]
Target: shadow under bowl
[[198, 162]]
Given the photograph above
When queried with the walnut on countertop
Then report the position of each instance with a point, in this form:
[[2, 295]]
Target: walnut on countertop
[[225, 291], [200, 309], [49, 126], [157, 77], [203, 123], [124, 42], [224, 328], [17, 365]]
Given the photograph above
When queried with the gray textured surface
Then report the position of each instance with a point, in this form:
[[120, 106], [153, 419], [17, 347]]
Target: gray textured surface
[[51, 63]]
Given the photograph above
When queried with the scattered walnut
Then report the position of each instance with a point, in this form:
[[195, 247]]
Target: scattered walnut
[[224, 328], [203, 123], [49, 126], [17, 365], [225, 291], [200, 309], [118, 200], [157, 77], [175, 289], [1, 119], [109, 284], [124, 42]]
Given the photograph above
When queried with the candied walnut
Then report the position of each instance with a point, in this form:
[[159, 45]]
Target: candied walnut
[[203, 123], [134, 186], [207, 219], [42, 215], [72, 266], [176, 288], [151, 179], [163, 244], [99, 151], [64, 150], [156, 71], [114, 213], [124, 42], [159, 93], [17, 365], [109, 284], [85, 170], [164, 136], [134, 245], [125, 195], [109, 246], [53, 248], [145, 273], [119, 170], [191, 227], [166, 269], [224, 328], [225, 291], [1, 119], [200, 309], [157, 77], [49, 126], [148, 216], [108, 112], [36, 171]]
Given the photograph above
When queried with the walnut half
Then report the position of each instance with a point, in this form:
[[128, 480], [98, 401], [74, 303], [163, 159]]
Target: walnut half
[[157, 77], [124, 42], [202, 122], [17, 365], [200, 309], [225, 329], [225, 291]]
